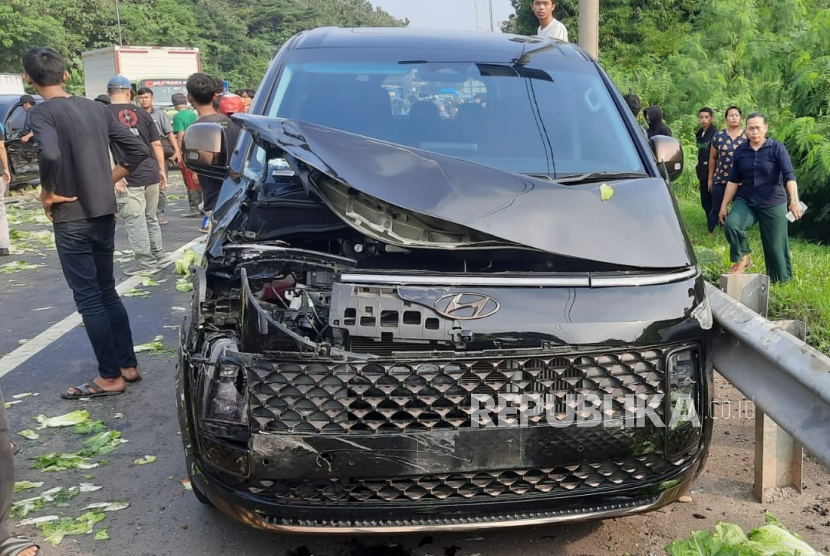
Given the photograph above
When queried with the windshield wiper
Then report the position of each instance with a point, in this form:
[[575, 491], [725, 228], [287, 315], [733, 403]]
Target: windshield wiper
[[546, 177], [600, 176]]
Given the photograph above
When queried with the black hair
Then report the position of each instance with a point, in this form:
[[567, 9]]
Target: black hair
[[218, 86], [249, 92], [757, 115], [45, 66], [634, 103], [733, 108], [707, 110], [144, 91], [201, 87]]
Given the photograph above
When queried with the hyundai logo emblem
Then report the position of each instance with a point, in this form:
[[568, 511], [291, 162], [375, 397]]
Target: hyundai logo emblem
[[466, 306]]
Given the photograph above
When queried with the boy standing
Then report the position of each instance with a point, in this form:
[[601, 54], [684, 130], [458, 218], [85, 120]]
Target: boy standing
[[74, 135]]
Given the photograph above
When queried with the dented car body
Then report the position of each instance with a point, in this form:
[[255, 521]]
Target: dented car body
[[400, 327]]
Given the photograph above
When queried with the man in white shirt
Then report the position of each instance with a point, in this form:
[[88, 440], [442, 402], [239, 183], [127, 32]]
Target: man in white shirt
[[548, 26]]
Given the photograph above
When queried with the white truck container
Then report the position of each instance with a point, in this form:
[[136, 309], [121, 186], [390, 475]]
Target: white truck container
[[11, 84], [161, 68]]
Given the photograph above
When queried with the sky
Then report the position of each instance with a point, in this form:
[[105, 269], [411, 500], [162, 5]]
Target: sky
[[448, 14]]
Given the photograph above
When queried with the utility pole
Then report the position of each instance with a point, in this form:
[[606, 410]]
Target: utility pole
[[491, 16], [118, 17], [589, 26]]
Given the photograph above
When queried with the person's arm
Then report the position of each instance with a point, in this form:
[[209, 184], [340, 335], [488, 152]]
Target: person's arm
[[177, 152], [4, 159], [788, 172], [158, 152], [50, 159], [735, 179], [728, 195], [167, 131], [713, 161]]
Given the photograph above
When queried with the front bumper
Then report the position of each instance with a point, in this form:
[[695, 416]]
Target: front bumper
[[391, 446], [258, 512]]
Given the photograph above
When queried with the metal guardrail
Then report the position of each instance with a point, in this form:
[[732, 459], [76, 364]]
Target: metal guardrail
[[786, 378]]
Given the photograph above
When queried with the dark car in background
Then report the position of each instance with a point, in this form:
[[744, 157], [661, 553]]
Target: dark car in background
[[478, 309], [23, 157]]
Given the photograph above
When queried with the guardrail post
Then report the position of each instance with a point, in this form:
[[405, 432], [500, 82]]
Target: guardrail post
[[750, 289], [778, 456]]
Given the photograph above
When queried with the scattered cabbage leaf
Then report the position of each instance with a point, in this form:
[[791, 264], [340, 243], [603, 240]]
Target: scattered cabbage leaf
[[606, 192], [20, 486], [70, 419]]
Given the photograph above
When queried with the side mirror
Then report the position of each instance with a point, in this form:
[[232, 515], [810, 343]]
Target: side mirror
[[205, 150], [667, 150]]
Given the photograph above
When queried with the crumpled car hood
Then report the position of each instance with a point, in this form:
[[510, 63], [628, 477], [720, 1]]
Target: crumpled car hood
[[637, 227]]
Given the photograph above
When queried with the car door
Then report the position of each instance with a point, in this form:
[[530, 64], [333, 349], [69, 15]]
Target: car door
[[23, 157]]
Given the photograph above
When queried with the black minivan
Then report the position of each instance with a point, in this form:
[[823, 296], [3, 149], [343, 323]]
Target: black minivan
[[23, 157], [446, 286]]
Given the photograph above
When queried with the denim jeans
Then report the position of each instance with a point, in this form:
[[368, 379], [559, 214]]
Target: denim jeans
[[139, 207], [85, 250], [6, 473]]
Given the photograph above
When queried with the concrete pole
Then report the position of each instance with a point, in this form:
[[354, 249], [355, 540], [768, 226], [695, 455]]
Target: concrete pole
[[589, 26]]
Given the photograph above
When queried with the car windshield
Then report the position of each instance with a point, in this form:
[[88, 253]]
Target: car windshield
[[549, 119], [164, 89]]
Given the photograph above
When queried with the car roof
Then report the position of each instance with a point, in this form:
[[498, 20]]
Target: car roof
[[498, 46]]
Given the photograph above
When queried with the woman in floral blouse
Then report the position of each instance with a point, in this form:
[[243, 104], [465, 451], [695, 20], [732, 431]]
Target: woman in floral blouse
[[722, 155]]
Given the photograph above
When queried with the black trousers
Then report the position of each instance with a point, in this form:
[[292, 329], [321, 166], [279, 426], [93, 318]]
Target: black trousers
[[705, 195]]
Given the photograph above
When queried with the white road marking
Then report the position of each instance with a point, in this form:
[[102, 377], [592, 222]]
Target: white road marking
[[19, 356]]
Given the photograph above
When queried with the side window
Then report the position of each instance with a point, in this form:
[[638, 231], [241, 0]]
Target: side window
[[16, 121]]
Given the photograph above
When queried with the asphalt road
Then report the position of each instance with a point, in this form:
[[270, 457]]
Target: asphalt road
[[166, 519]]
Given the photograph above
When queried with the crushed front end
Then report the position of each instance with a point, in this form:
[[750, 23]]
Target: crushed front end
[[314, 396], [423, 345]]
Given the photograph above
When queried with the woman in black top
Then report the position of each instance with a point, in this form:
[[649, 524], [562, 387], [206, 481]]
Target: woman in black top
[[761, 178], [654, 118]]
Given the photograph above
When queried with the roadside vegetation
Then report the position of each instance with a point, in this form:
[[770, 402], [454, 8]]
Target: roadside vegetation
[[806, 297]]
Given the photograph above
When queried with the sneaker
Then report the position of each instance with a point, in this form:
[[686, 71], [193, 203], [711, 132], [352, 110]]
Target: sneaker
[[162, 220], [192, 214], [140, 270], [164, 260]]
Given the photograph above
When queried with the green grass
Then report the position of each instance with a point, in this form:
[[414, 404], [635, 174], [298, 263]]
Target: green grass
[[806, 297]]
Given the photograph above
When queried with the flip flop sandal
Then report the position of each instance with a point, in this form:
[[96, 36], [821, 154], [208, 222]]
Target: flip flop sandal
[[15, 448], [88, 390], [15, 545]]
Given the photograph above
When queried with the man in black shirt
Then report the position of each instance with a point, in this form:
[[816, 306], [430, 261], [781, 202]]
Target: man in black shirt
[[74, 135], [201, 89], [703, 137], [138, 197]]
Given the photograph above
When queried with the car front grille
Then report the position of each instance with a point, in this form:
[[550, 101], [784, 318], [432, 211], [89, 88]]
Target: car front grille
[[411, 395], [580, 478]]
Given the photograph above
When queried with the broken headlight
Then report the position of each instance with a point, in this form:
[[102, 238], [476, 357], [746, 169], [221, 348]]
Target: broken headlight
[[684, 377], [225, 395]]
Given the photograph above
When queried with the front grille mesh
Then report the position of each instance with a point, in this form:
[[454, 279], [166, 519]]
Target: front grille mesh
[[583, 478], [410, 395]]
